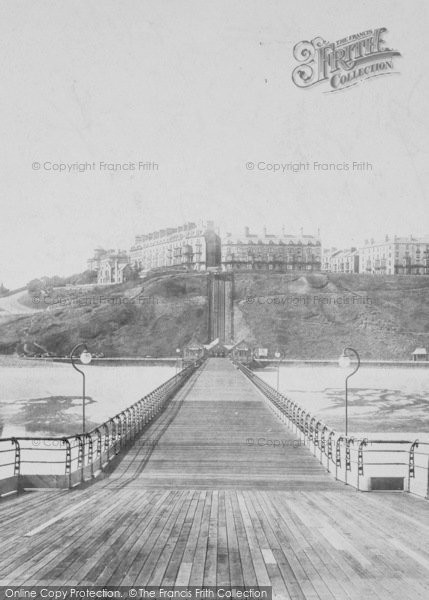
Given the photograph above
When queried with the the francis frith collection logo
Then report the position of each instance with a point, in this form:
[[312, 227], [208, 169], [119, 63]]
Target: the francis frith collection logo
[[344, 63]]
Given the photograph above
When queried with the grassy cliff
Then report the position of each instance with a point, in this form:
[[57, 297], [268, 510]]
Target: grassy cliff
[[304, 315], [315, 315], [152, 318]]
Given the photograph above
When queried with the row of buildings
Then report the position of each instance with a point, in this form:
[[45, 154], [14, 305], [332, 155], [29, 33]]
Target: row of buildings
[[200, 247], [393, 256]]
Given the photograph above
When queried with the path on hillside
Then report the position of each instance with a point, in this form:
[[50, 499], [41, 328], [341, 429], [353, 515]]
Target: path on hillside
[[12, 306], [194, 503]]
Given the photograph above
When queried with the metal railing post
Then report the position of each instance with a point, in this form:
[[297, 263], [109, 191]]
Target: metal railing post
[[307, 426], [294, 411], [68, 465], [338, 455], [411, 462], [299, 413], [99, 448], [311, 429], [113, 434], [81, 456], [329, 449], [363, 443], [118, 434], [88, 436], [141, 415], [106, 440], [349, 440], [316, 433], [128, 420], [17, 463], [288, 403], [323, 442], [122, 428]]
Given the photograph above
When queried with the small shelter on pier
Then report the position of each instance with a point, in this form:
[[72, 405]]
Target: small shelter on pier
[[420, 354], [193, 352], [242, 352]]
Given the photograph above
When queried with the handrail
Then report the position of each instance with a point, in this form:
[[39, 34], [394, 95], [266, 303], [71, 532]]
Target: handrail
[[82, 456], [347, 454]]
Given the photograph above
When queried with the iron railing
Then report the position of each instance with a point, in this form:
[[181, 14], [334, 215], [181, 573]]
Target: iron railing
[[44, 462], [366, 464]]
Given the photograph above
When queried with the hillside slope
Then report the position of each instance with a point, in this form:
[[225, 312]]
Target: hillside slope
[[304, 315], [315, 315], [153, 319]]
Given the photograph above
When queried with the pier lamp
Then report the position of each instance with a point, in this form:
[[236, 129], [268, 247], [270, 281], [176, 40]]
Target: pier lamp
[[177, 360], [345, 362], [278, 355], [85, 358]]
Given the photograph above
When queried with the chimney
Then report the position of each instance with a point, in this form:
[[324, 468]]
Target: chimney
[[265, 232], [246, 232]]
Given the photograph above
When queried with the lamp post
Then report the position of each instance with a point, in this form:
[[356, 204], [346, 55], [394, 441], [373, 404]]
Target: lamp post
[[85, 358], [177, 360], [344, 361], [278, 356]]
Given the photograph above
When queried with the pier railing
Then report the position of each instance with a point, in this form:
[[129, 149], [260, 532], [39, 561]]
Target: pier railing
[[366, 464], [64, 462]]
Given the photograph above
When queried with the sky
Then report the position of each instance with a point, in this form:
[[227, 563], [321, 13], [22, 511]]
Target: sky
[[201, 89]]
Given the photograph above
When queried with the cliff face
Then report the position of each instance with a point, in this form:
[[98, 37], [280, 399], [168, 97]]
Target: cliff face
[[306, 316], [154, 318], [316, 315]]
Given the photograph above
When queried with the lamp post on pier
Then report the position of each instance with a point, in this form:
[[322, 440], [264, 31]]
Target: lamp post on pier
[[278, 355], [85, 358], [177, 360], [345, 362]]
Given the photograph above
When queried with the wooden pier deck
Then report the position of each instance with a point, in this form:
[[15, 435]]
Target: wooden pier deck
[[203, 498]]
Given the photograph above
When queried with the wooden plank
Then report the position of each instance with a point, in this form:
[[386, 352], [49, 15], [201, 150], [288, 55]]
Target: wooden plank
[[85, 568], [361, 520], [147, 530], [210, 566], [234, 559], [147, 551], [372, 579], [222, 558], [153, 568], [259, 566], [248, 571], [171, 559]]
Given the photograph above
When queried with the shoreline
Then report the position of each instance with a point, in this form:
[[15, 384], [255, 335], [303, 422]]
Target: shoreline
[[333, 362], [172, 360]]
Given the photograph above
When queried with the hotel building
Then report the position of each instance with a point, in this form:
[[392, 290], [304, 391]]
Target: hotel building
[[111, 265], [190, 246], [251, 251], [341, 261], [395, 256]]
